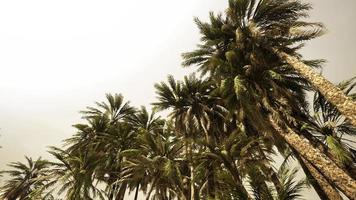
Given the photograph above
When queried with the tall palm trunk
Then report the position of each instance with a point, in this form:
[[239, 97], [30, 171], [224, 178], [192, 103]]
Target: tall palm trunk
[[322, 187], [211, 182], [332, 93], [322, 163], [122, 191], [112, 191], [350, 169], [136, 192], [191, 167]]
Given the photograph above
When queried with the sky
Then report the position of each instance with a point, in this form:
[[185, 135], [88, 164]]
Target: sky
[[57, 57]]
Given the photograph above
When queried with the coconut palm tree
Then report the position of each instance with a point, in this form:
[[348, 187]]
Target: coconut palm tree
[[255, 82], [27, 181]]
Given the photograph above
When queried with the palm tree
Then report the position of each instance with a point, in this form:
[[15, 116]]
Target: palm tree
[[195, 112], [140, 121], [27, 181], [115, 108], [107, 132], [75, 174], [254, 81], [290, 188], [239, 156], [158, 159], [274, 27]]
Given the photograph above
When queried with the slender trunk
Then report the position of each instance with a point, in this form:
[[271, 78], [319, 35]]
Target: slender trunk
[[191, 167], [136, 192], [327, 167], [210, 168], [332, 93], [322, 187], [211, 182], [122, 191], [112, 191], [192, 176]]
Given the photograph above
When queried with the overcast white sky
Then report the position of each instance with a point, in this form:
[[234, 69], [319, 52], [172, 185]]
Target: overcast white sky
[[56, 57]]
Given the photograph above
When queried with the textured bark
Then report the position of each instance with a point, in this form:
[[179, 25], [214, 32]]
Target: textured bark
[[332, 93], [322, 186], [321, 162], [350, 169]]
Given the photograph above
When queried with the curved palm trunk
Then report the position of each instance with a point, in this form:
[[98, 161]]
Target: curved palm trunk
[[320, 184], [321, 162], [332, 93]]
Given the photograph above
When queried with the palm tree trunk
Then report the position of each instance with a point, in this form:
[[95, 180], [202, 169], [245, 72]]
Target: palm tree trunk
[[136, 192], [112, 191], [211, 182], [332, 93], [350, 169], [191, 167], [321, 162], [322, 187], [122, 191]]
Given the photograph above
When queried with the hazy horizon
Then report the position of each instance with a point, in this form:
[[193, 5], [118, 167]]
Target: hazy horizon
[[57, 57]]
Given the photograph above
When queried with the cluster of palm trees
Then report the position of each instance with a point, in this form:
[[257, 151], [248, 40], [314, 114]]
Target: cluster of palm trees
[[245, 105]]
